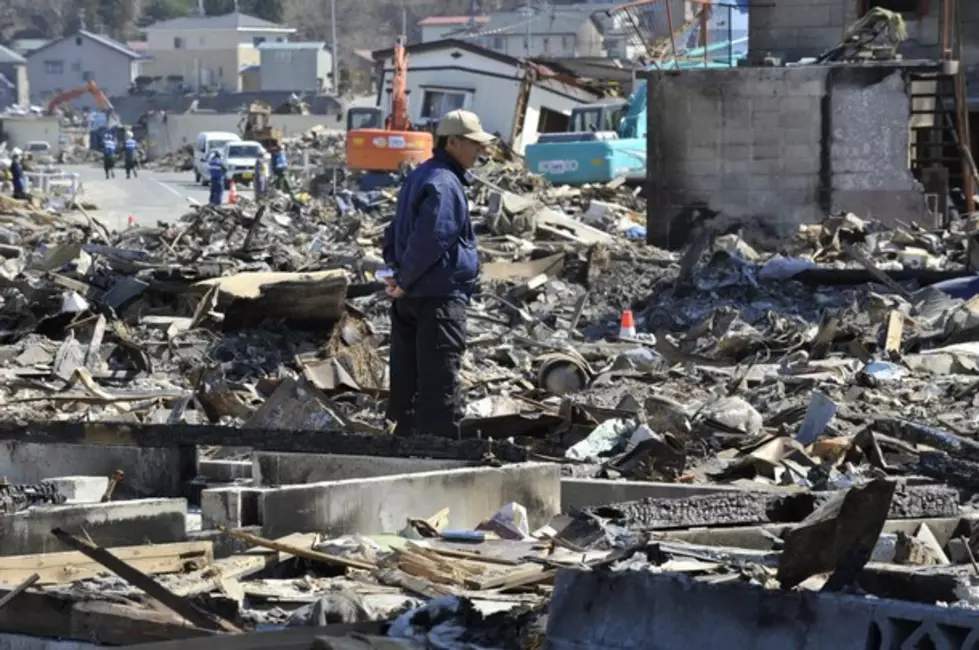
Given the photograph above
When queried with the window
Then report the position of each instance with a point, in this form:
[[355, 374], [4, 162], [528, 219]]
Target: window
[[900, 6], [564, 43], [221, 72], [258, 40], [178, 43], [437, 103], [76, 66], [78, 40], [54, 67], [498, 44], [88, 75]]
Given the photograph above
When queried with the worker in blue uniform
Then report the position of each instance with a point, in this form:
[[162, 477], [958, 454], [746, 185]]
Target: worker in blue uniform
[[17, 175], [129, 149], [279, 168], [109, 154], [217, 171]]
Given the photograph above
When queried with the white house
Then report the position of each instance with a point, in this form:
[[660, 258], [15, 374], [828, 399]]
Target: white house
[[446, 75]]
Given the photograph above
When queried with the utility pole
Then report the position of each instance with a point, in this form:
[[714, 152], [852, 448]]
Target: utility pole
[[404, 21], [333, 45]]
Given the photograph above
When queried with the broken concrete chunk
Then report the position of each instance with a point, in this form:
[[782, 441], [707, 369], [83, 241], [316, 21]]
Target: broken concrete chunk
[[735, 413]]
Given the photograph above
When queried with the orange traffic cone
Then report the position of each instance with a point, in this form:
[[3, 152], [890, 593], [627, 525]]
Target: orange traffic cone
[[627, 328], [233, 193]]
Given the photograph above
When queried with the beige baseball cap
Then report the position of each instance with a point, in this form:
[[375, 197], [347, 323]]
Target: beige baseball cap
[[465, 124]]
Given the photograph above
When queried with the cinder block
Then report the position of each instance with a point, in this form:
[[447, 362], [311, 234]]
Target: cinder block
[[811, 88], [225, 471], [820, 37], [801, 166], [770, 151], [700, 153], [809, 105], [804, 15], [81, 489], [383, 504], [234, 507], [809, 136], [797, 120]]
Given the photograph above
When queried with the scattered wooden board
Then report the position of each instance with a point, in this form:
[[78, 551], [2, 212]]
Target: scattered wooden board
[[57, 568]]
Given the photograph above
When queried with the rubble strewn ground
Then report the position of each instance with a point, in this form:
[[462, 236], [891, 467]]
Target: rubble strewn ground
[[817, 392]]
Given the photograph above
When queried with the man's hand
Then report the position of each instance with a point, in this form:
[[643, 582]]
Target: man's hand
[[394, 291]]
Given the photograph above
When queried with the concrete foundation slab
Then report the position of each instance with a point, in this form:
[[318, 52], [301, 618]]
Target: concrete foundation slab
[[383, 504], [150, 472], [638, 610], [270, 468], [120, 523]]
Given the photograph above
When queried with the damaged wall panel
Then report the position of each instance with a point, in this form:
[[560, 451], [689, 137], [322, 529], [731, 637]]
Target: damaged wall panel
[[777, 147]]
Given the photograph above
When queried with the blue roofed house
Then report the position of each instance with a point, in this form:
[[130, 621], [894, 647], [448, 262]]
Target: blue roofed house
[[13, 79], [74, 60]]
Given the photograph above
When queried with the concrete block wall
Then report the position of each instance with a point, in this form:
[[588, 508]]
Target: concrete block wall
[[778, 147], [383, 504], [795, 29], [638, 610]]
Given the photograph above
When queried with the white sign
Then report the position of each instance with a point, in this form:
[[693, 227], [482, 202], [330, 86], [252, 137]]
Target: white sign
[[557, 166], [396, 141]]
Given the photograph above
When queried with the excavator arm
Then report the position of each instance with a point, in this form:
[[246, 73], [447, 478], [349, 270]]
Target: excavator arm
[[399, 119], [71, 94]]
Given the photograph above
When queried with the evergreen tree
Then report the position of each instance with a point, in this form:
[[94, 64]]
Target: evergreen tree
[[271, 10], [155, 11]]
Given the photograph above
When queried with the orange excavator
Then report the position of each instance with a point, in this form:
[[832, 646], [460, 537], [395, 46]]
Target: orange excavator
[[90, 88], [397, 145]]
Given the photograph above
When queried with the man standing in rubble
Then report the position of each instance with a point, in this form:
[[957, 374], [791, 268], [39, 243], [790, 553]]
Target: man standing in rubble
[[129, 148], [17, 175], [216, 170], [109, 154], [431, 248]]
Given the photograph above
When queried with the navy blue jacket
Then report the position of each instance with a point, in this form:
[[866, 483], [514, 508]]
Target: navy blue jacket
[[430, 243]]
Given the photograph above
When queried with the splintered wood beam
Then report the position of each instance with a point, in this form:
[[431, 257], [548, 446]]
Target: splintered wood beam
[[137, 578]]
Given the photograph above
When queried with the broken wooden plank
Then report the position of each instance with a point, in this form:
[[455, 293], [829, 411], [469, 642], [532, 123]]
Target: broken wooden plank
[[178, 605], [56, 568], [895, 332], [296, 551], [238, 566], [839, 536], [19, 589]]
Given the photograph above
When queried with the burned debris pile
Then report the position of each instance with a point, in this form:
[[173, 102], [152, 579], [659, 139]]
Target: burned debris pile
[[797, 414]]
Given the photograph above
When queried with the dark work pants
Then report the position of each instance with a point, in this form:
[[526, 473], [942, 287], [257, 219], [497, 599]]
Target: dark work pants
[[428, 339]]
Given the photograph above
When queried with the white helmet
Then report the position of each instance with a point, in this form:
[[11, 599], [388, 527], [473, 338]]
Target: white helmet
[[16, 152]]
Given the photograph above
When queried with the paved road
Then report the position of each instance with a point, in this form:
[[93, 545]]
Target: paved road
[[153, 197]]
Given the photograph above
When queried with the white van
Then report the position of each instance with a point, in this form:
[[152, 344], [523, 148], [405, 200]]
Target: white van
[[206, 143]]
